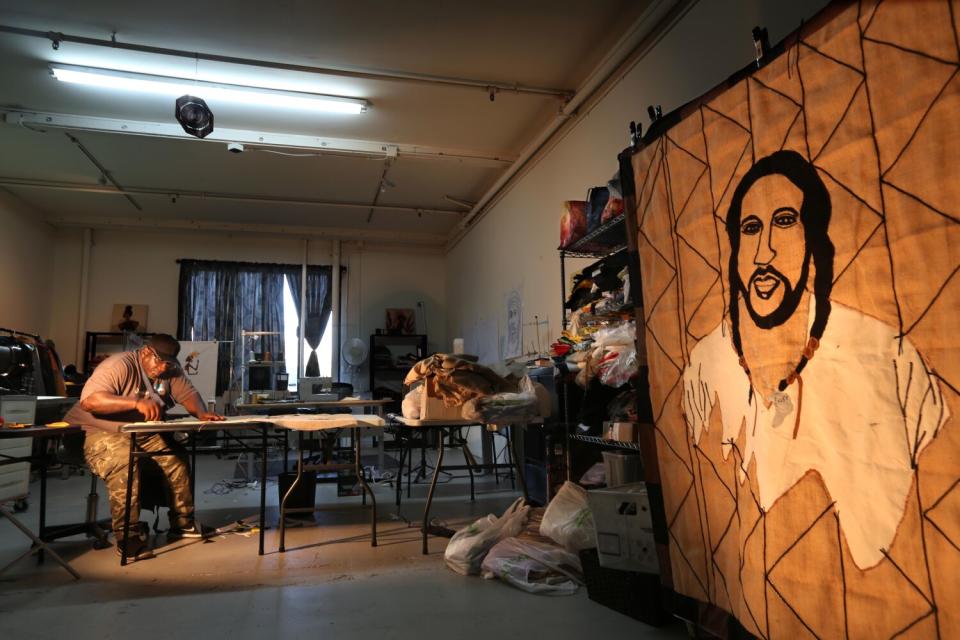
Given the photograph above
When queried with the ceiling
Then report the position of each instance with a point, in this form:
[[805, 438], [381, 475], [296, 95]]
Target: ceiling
[[426, 67]]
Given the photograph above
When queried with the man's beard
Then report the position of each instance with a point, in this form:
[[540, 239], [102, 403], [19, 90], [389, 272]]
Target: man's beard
[[789, 302], [773, 344]]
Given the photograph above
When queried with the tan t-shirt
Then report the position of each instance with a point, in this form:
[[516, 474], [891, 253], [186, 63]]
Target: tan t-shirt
[[120, 375]]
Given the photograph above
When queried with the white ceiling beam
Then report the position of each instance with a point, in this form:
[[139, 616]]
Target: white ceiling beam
[[79, 187], [384, 237], [320, 144]]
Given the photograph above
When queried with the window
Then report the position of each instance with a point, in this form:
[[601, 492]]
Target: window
[[291, 341], [221, 300]]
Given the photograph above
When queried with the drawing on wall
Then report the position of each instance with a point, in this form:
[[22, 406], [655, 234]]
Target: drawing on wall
[[513, 340], [799, 244], [129, 317], [401, 322]]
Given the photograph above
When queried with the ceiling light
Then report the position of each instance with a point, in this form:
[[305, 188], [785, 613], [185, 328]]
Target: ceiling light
[[211, 91]]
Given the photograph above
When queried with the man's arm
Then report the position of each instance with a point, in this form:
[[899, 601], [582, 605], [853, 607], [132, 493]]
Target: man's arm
[[187, 395], [104, 402]]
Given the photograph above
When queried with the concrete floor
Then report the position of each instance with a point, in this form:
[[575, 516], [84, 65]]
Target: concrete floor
[[329, 581]]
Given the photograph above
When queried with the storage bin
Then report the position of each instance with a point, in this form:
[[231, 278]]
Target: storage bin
[[22, 409], [622, 468], [638, 595], [624, 528]]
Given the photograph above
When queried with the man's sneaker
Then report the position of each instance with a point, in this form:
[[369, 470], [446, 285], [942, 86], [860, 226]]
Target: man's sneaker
[[191, 531], [137, 549]]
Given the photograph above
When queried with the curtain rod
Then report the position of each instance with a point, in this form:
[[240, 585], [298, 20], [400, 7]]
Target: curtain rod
[[258, 264]]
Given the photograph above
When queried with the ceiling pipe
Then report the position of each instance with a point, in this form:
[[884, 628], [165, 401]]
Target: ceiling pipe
[[104, 173], [406, 240], [623, 56], [488, 87], [209, 195]]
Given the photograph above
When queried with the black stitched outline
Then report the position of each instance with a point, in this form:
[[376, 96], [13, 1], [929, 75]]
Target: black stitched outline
[[704, 523], [776, 91], [697, 309], [934, 300], [857, 254], [911, 625], [926, 555], [793, 611], [920, 200], [922, 54], [726, 117], [796, 118], [843, 578], [920, 122], [853, 195], [953, 26], [860, 72], [876, 145], [843, 117], [713, 204]]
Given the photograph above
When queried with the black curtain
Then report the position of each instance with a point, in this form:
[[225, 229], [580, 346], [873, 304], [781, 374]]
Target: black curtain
[[319, 308], [219, 300]]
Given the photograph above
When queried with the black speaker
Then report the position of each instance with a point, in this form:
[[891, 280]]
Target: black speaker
[[194, 116]]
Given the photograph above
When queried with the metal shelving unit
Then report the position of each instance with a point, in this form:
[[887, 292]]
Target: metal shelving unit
[[633, 446]]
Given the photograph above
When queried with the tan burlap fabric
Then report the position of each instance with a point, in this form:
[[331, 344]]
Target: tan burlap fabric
[[799, 240]]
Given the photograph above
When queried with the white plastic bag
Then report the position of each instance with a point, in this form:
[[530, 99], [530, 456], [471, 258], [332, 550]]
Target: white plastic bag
[[534, 566], [568, 520], [468, 547], [410, 407]]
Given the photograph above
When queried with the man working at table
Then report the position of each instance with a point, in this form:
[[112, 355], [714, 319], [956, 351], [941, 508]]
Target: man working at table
[[137, 386]]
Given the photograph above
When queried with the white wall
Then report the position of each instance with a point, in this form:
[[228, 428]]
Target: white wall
[[515, 244], [26, 271], [139, 267]]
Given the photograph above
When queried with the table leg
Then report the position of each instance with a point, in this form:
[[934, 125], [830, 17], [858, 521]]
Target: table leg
[[289, 492], [468, 458], [286, 448], [399, 478], [38, 545], [43, 502], [127, 502], [518, 465], [433, 486], [358, 466], [410, 460], [263, 482], [193, 466]]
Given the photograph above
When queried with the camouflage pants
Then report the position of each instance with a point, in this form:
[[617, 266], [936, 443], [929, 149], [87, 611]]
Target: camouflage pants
[[108, 455]]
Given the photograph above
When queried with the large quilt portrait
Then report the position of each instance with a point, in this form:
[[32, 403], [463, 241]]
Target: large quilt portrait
[[799, 242]]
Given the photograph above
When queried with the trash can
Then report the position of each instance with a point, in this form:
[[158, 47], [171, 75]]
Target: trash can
[[304, 496]]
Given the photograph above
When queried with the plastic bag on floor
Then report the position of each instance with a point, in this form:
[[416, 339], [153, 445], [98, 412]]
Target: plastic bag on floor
[[534, 566], [568, 520], [468, 547]]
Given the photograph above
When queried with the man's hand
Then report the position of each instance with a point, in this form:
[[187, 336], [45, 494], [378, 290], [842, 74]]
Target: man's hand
[[209, 416], [151, 409]]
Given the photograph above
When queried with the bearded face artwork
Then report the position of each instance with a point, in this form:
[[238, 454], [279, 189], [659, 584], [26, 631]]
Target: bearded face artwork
[[798, 237], [777, 225]]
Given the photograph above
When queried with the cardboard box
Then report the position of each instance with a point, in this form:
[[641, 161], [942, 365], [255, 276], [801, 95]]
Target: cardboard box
[[433, 408], [624, 528], [620, 431]]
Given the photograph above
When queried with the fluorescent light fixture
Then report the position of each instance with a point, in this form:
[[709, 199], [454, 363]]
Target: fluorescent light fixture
[[209, 91]]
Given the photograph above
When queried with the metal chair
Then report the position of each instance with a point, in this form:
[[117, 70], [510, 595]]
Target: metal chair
[[70, 452]]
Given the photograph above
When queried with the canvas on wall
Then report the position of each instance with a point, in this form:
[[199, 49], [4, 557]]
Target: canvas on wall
[[799, 243], [129, 317]]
